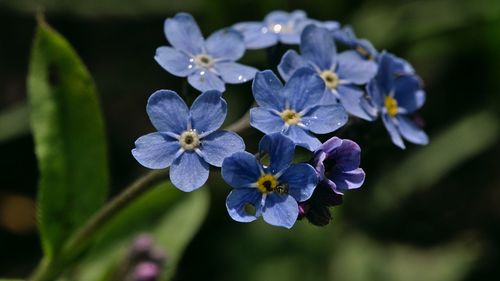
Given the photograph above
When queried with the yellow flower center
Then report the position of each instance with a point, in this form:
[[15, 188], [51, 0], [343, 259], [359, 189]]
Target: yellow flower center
[[290, 117], [391, 105], [267, 183], [331, 79], [204, 61], [189, 140]]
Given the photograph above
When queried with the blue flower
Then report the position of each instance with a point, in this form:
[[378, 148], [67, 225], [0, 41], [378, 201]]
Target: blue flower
[[294, 109], [208, 64], [187, 139], [337, 163], [278, 26], [363, 47], [342, 73], [397, 92], [272, 191]]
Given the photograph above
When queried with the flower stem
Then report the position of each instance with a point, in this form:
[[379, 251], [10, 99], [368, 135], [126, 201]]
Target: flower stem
[[50, 269]]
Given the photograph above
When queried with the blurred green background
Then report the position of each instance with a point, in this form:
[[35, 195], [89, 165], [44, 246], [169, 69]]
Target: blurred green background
[[426, 213]]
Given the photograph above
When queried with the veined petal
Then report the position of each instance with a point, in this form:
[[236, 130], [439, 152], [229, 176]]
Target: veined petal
[[205, 80], [241, 170], [302, 138], [354, 101], [280, 150], [219, 145], [256, 35], [265, 121], [304, 89], [348, 180], [167, 111], [393, 131], [347, 156], [173, 61], [225, 44], [323, 119], [189, 171], [317, 45], [353, 68], [301, 180], [235, 73], [410, 131], [290, 62], [280, 210], [155, 150], [184, 34], [238, 199], [267, 90], [208, 112]]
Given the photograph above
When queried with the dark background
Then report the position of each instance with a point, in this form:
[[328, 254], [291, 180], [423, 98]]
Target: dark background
[[425, 213]]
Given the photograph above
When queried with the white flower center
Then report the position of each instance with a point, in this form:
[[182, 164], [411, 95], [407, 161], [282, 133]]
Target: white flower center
[[189, 140], [331, 79], [204, 61]]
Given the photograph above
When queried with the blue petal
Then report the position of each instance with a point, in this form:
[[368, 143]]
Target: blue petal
[[304, 89], [184, 34], [155, 150], [323, 119], [167, 111], [221, 144], [317, 45], [208, 112], [265, 121], [302, 138], [280, 210], [204, 80], [238, 199], [241, 170], [189, 171], [225, 44], [267, 92], [292, 38], [393, 131], [256, 35], [408, 93], [375, 92], [348, 180], [410, 131], [355, 69], [290, 62], [301, 179], [173, 61], [329, 98], [280, 150], [278, 16], [354, 101], [235, 73]]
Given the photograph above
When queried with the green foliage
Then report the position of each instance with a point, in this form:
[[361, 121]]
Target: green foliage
[[69, 138], [170, 216]]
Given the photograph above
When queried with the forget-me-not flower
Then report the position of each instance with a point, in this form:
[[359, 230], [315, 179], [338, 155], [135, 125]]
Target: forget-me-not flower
[[187, 139], [363, 47], [278, 26], [294, 109], [397, 92], [208, 64], [273, 191], [342, 73]]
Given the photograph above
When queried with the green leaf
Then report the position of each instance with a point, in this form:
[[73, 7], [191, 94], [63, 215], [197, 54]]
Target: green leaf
[[69, 138], [170, 216]]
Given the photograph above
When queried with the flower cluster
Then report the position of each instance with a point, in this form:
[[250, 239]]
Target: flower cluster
[[333, 77]]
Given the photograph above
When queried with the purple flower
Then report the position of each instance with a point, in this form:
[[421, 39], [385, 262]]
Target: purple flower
[[208, 64], [147, 271], [337, 163], [271, 191], [278, 26], [343, 73], [397, 92], [187, 139], [294, 109]]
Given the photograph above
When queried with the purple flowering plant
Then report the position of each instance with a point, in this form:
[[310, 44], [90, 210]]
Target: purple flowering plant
[[327, 82]]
